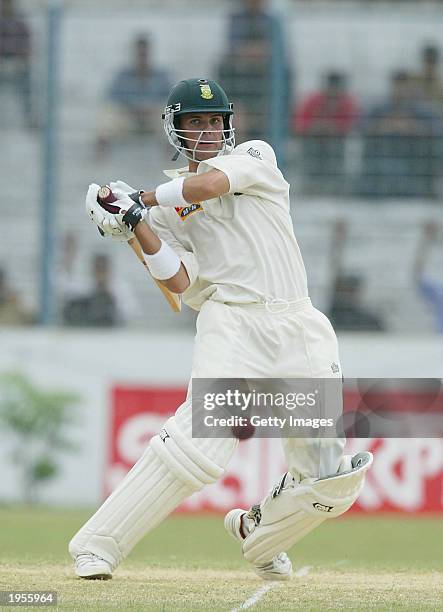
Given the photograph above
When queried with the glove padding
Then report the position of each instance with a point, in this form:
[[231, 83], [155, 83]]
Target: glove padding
[[129, 198], [110, 224], [121, 190]]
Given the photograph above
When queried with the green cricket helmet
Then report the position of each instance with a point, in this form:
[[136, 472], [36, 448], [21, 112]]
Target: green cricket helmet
[[197, 96]]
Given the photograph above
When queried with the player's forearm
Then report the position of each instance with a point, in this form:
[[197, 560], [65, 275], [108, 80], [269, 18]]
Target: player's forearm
[[151, 244], [205, 186], [149, 241], [197, 188], [179, 282]]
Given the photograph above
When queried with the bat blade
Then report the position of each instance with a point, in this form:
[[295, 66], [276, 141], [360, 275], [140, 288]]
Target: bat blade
[[173, 299]]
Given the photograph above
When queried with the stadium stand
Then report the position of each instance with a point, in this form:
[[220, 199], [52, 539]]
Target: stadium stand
[[321, 37]]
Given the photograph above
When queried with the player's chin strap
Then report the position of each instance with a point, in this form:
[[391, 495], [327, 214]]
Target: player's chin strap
[[228, 143], [293, 509]]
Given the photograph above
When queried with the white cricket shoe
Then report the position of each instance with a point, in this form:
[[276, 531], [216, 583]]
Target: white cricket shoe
[[91, 567], [239, 525], [280, 568]]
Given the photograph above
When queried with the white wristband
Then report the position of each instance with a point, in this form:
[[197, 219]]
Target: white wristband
[[171, 193], [163, 264]]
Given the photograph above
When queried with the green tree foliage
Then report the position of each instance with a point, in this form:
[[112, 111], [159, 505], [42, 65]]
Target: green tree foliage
[[37, 421]]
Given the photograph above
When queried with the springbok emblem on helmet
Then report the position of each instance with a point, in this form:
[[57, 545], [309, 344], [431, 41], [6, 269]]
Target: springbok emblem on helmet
[[206, 92]]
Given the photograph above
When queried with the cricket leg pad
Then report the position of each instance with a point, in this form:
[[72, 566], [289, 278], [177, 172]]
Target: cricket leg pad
[[171, 469], [294, 509]]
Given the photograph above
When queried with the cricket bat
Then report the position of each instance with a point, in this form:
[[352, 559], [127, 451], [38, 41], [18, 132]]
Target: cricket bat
[[105, 196]]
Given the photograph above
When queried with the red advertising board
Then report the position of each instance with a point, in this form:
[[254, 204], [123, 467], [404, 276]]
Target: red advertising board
[[407, 474]]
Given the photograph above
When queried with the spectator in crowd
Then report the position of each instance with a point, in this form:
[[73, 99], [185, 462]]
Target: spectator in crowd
[[254, 69], [97, 301], [428, 82], [12, 311], [346, 311], [430, 288], [15, 55], [401, 140], [323, 120], [134, 98], [97, 308]]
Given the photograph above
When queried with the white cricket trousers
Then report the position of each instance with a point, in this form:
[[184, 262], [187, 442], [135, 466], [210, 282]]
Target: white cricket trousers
[[233, 341], [278, 340]]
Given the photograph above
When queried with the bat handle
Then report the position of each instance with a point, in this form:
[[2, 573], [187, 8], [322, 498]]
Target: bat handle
[[105, 195], [135, 246]]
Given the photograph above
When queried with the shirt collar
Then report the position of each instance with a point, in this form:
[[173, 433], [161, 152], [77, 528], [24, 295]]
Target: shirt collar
[[178, 172]]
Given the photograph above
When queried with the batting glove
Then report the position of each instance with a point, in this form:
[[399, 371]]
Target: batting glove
[[120, 188], [109, 224], [129, 198]]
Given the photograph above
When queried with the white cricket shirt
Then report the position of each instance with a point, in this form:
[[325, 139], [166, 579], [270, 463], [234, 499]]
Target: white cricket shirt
[[239, 247]]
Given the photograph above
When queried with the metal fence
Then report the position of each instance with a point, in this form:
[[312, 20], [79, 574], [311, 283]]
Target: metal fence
[[350, 94]]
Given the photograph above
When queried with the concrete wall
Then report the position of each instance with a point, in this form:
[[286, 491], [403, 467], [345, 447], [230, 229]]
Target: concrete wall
[[92, 362]]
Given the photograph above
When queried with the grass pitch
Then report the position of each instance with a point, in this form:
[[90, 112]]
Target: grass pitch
[[190, 564]]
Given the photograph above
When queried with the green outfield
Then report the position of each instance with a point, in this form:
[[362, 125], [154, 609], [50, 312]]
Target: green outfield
[[189, 563]]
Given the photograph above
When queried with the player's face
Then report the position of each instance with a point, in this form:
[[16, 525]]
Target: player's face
[[203, 133]]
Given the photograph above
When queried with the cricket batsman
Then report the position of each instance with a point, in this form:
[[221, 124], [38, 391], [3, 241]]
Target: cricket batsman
[[219, 233]]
